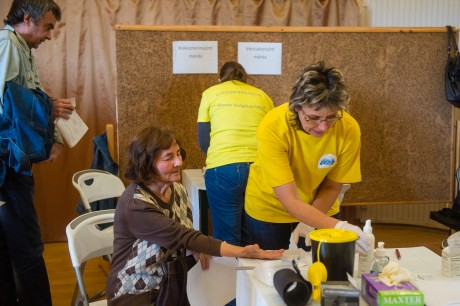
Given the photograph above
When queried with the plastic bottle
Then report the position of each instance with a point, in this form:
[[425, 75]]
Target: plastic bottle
[[365, 260], [380, 258]]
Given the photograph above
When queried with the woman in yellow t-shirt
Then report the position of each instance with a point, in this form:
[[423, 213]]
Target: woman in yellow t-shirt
[[228, 117], [307, 149]]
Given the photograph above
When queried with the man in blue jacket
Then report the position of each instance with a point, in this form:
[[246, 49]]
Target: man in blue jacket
[[23, 276]]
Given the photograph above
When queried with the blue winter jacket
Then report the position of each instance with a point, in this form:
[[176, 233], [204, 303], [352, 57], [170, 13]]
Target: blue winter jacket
[[26, 128]]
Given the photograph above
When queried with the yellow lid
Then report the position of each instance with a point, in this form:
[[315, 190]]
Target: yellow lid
[[333, 235]]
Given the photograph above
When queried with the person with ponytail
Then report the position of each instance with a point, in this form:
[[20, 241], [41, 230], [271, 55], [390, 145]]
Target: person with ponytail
[[228, 117]]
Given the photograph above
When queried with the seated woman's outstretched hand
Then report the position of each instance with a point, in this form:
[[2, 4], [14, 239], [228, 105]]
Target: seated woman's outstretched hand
[[254, 251], [203, 258]]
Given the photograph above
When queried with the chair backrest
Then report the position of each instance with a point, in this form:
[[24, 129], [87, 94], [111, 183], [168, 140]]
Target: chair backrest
[[94, 185], [86, 240], [345, 188]]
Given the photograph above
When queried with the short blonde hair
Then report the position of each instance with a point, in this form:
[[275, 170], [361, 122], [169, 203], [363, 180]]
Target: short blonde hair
[[319, 87]]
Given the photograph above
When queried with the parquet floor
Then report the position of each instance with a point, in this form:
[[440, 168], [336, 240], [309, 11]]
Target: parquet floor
[[62, 277], [406, 236]]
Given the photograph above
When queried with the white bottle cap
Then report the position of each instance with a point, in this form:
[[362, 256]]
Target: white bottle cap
[[368, 227], [380, 250]]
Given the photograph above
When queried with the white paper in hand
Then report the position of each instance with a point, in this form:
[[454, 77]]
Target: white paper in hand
[[72, 129]]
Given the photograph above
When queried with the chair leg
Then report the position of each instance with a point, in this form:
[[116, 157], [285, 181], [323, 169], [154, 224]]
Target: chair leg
[[76, 297], [97, 296], [76, 300]]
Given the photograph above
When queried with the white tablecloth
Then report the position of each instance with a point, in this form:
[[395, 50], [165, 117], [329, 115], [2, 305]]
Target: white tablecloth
[[193, 181], [420, 261]]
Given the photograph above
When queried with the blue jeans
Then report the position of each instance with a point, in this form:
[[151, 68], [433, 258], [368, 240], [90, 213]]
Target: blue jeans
[[225, 188], [23, 276], [274, 236], [270, 236]]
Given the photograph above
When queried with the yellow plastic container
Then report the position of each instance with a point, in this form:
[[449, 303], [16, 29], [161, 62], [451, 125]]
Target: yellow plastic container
[[337, 251]]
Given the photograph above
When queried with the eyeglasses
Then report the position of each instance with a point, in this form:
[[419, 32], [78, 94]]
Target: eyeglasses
[[329, 120]]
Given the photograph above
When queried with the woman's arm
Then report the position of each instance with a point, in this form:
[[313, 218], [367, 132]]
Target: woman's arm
[[249, 251], [289, 197], [204, 137], [327, 193]]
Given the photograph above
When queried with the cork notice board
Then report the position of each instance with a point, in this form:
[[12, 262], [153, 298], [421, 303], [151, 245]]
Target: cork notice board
[[395, 79]]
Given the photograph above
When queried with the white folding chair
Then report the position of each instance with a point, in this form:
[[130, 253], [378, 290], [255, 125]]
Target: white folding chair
[[94, 185], [87, 241]]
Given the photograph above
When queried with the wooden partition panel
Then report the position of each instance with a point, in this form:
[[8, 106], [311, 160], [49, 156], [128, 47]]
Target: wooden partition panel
[[395, 79]]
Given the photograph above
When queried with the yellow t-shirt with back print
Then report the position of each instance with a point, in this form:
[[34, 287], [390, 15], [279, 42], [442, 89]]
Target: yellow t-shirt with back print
[[234, 110]]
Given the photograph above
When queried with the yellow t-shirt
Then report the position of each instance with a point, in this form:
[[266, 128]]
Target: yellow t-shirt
[[234, 110], [286, 154]]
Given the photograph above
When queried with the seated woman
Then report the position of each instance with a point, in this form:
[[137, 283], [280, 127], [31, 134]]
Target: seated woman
[[153, 220]]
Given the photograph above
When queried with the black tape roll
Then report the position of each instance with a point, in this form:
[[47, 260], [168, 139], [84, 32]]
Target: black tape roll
[[294, 290]]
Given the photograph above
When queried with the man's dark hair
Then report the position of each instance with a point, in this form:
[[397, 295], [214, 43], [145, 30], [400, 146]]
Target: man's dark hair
[[35, 8]]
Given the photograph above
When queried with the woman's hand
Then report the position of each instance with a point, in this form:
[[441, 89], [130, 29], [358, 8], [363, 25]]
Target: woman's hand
[[249, 251], [203, 258], [254, 251]]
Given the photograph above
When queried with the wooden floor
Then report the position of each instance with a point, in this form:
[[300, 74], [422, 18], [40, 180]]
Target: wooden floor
[[62, 277]]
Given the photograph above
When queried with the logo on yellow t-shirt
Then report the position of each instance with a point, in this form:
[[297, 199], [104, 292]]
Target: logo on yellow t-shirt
[[327, 161]]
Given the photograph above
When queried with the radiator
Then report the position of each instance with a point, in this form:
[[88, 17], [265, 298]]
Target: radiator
[[410, 214]]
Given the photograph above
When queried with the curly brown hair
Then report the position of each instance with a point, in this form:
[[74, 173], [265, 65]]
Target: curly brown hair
[[143, 151]]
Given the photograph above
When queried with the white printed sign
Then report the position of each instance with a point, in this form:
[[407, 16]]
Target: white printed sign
[[194, 57], [260, 58]]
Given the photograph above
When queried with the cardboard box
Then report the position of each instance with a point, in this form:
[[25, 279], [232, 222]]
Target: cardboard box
[[376, 293], [339, 293]]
